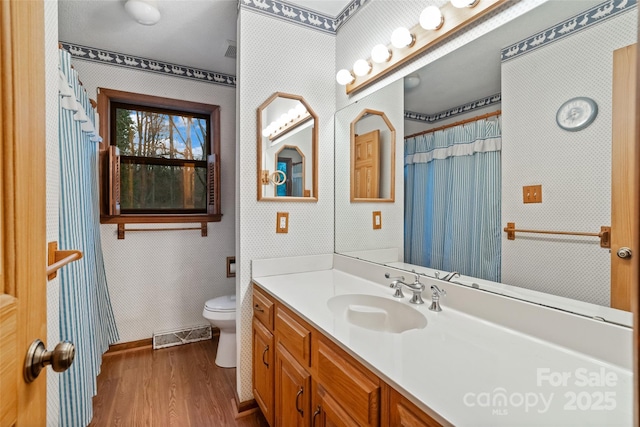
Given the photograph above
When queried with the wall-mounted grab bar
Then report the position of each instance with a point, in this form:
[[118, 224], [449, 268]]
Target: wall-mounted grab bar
[[604, 234], [57, 259]]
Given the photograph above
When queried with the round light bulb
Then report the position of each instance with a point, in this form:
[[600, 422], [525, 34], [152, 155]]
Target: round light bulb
[[266, 132], [401, 37], [344, 77], [463, 3], [361, 67], [293, 114], [300, 109], [380, 53], [143, 11], [431, 18]]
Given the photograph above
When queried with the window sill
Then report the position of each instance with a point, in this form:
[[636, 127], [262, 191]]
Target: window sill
[[159, 219]]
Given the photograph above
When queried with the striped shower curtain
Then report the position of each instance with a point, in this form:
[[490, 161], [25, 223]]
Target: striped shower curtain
[[452, 199], [86, 317]]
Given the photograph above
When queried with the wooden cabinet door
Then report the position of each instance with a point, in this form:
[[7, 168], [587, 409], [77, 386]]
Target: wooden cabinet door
[[329, 413], [403, 413], [293, 391], [263, 368]]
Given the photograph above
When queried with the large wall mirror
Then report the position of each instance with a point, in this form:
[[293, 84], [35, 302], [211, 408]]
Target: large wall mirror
[[287, 149], [373, 151], [527, 69]]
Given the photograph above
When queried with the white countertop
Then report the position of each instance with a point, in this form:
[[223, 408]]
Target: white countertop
[[463, 367]]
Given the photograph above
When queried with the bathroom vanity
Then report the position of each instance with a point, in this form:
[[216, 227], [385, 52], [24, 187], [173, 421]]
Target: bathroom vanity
[[331, 346]]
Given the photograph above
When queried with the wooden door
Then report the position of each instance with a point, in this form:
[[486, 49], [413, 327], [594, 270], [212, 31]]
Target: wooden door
[[263, 367], [22, 209], [624, 190], [367, 165], [293, 391]]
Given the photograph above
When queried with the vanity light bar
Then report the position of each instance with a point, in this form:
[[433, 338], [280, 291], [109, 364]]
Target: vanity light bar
[[287, 127], [453, 19]]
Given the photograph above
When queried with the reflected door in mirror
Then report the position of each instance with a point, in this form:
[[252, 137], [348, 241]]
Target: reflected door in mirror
[[367, 165]]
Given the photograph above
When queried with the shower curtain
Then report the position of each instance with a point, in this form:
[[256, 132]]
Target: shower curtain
[[452, 199], [86, 316]]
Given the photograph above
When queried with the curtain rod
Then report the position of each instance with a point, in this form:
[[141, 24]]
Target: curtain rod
[[461, 122]]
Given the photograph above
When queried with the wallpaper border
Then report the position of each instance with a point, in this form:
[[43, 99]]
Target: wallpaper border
[[461, 109], [118, 59], [585, 19], [308, 18]]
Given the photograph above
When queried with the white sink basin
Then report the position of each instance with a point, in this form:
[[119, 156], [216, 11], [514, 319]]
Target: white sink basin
[[376, 313]]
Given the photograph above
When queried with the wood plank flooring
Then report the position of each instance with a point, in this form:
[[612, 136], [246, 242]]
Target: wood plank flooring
[[176, 386]]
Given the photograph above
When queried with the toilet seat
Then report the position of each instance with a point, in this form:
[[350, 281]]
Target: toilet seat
[[224, 304]]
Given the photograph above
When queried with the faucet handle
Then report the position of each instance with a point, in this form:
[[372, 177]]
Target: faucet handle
[[437, 292], [415, 273], [388, 276]]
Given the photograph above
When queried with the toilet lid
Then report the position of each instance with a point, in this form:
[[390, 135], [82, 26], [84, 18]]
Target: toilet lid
[[224, 303]]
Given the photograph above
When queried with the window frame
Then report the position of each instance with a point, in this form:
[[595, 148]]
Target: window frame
[[108, 96]]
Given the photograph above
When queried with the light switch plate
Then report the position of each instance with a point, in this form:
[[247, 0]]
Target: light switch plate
[[282, 222], [377, 220], [532, 194]]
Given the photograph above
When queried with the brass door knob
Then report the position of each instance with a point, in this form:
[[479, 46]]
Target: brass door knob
[[38, 357]]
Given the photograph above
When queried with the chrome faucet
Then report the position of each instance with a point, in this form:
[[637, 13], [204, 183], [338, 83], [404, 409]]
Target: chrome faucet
[[396, 284], [435, 298], [416, 287], [447, 277]]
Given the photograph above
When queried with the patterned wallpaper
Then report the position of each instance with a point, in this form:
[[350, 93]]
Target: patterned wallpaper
[[160, 281], [574, 168], [452, 112], [276, 56]]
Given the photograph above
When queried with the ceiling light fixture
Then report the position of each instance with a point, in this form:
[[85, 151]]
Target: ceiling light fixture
[[145, 12], [411, 82], [401, 37], [344, 77], [380, 53], [464, 3], [431, 18], [361, 67]]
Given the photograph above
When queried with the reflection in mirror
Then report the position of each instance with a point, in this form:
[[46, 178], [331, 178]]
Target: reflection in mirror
[[287, 149], [373, 150], [528, 69]]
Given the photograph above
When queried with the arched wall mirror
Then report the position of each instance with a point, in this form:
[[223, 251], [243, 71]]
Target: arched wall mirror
[[373, 152], [287, 138]]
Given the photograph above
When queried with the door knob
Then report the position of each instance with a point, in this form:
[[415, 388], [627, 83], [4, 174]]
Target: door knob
[[38, 357], [624, 253]]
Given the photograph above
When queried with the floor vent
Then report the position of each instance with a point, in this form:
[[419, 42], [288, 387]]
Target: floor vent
[[182, 336], [232, 49]]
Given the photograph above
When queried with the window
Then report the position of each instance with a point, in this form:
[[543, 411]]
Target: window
[[161, 159]]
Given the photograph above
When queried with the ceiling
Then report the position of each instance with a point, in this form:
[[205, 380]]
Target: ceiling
[[191, 32], [472, 72]]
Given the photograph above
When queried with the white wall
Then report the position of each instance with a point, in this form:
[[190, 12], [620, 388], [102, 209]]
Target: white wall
[[160, 281], [574, 168], [354, 220], [276, 56], [53, 185]]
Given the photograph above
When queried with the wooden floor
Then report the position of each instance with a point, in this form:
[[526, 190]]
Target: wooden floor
[[176, 386]]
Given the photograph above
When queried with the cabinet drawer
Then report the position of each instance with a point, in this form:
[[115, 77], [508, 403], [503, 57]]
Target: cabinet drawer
[[263, 307], [295, 337], [356, 391]]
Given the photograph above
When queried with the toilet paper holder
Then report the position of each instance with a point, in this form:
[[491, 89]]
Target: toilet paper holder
[[231, 266]]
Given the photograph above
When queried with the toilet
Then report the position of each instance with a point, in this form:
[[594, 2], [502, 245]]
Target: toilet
[[221, 313]]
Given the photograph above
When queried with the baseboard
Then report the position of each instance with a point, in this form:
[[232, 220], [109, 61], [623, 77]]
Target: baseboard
[[131, 345], [244, 408]]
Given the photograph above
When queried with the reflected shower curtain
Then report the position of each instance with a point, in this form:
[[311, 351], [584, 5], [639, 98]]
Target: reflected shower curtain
[[86, 316], [296, 180], [452, 199]]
